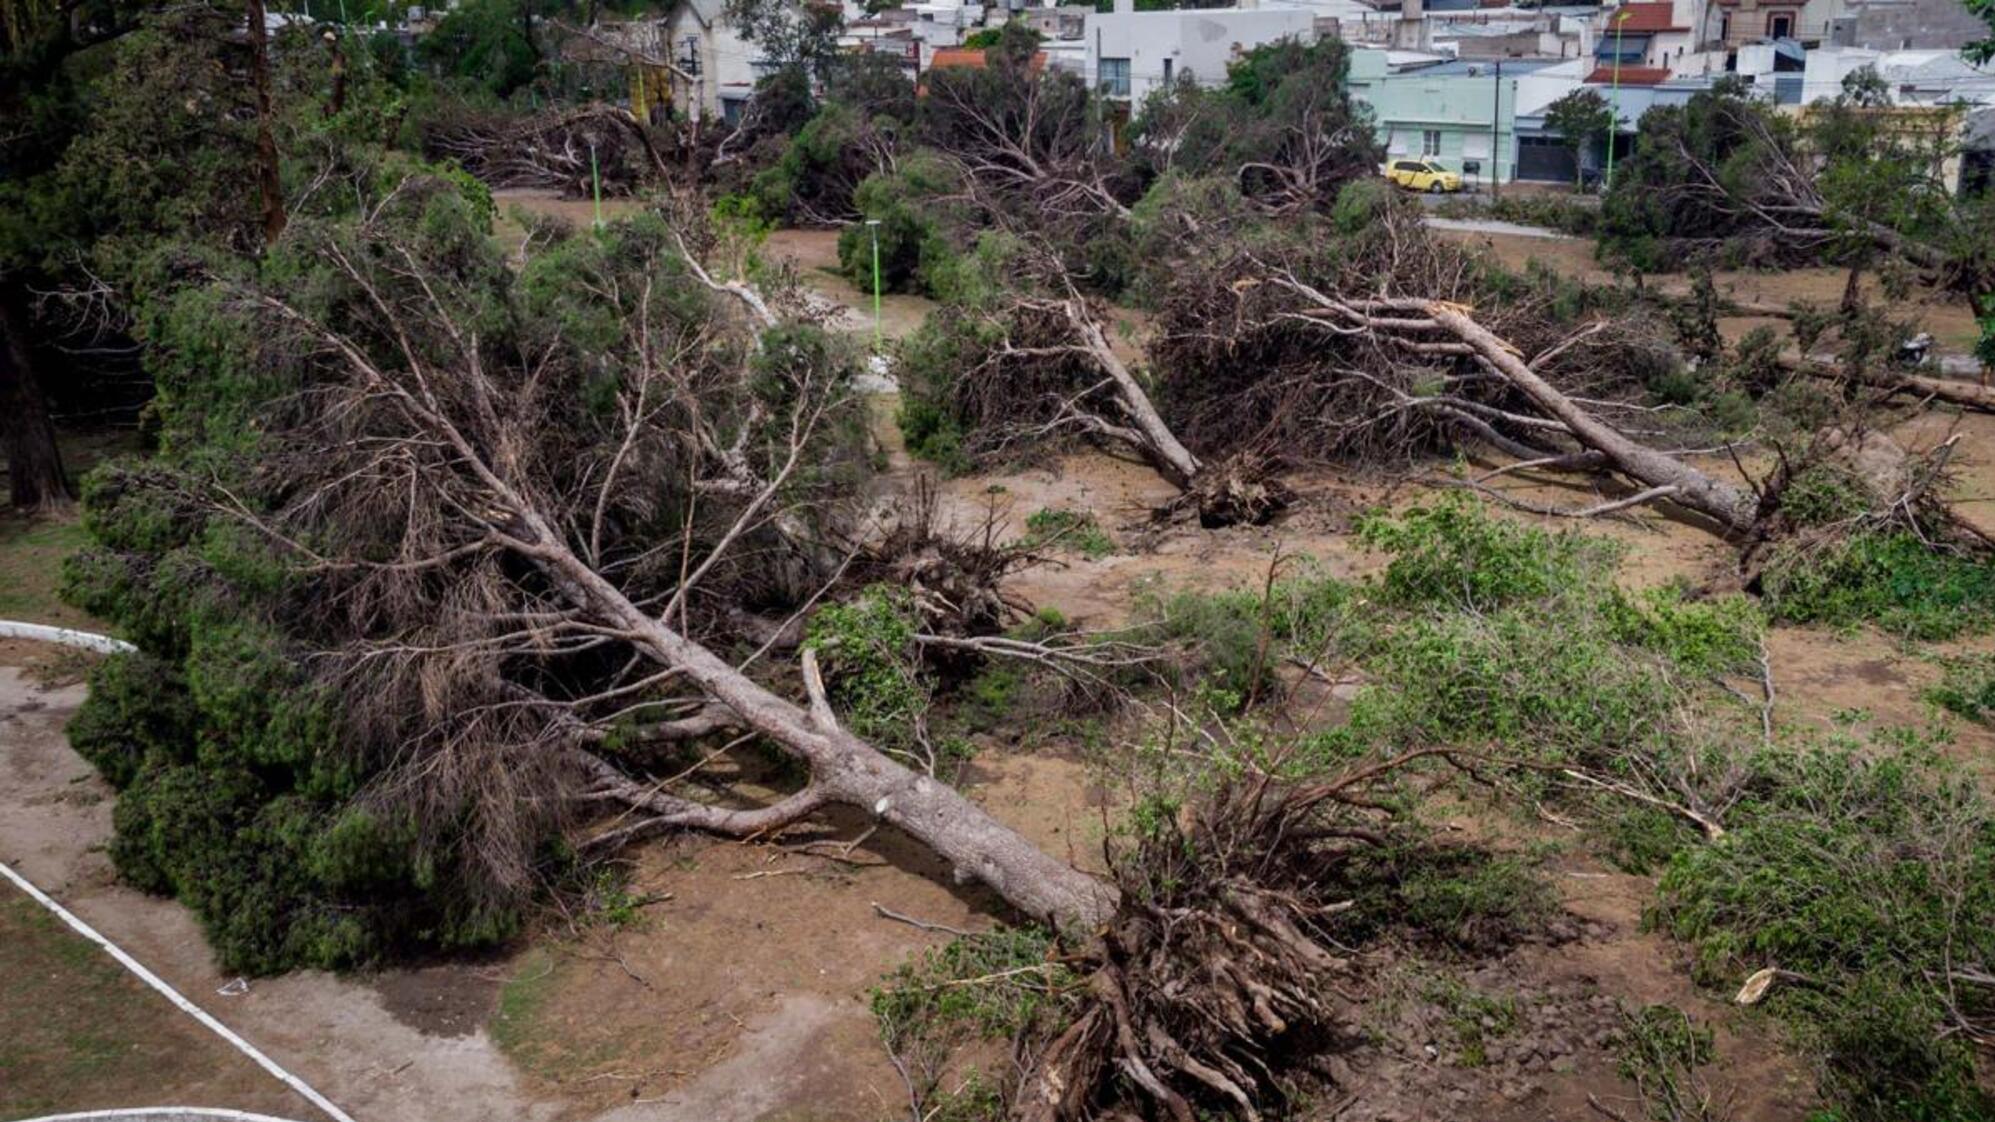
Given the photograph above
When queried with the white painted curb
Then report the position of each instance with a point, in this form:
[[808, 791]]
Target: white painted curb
[[186, 1006], [42, 632], [161, 1114]]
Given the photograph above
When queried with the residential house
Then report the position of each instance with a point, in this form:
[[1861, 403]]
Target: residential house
[[1543, 155], [1462, 113], [1130, 53], [716, 68], [1655, 35]]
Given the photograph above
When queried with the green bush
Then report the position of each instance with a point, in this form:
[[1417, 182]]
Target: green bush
[[1888, 578], [1077, 532], [914, 237], [1453, 554], [1968, 688], [1868, 873]]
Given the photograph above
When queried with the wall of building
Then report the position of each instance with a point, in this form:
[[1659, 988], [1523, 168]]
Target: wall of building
[[1465, 117], [1196, 42]]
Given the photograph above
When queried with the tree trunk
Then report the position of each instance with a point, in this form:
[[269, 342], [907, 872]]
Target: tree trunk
[[1732, 507], [269, 184], [34, 462], [845, 769], [1170, 457], [1967, 395]]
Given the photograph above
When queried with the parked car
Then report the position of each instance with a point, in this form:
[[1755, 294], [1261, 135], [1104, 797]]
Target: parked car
[[1423, 175]]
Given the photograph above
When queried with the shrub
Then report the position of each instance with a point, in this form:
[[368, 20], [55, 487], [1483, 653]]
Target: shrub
[[1968, 688], [1869, 874], [1888, 578], [1453, 554], [1068, 530]]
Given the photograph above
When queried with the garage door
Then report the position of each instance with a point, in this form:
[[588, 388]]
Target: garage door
[[1545, 158]]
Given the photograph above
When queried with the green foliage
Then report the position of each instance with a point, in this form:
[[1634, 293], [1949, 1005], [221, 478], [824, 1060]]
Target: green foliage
[[871, 668], [1659, 1049], [914, 243], [1824, 494], [1001, 985], [1869, 873], [1075, 531], [991, 985], [483, 43], [1453, 553], [1468, 899], [1241, 635], [1967, 688], [1583, 120], [1890, 579]]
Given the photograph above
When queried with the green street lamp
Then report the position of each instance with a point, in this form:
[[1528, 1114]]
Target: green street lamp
[[873, 228], [1614, 125], [596, 180]]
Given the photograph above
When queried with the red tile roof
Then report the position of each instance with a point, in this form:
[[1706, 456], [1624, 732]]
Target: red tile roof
[[1643, 18], [973, 57], [1630, 75]]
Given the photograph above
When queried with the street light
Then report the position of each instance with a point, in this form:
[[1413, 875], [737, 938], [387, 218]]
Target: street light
[[1614, 124], [873, 228]]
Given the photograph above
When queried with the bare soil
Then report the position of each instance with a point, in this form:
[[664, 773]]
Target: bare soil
[[739, 991], [1944, 314]]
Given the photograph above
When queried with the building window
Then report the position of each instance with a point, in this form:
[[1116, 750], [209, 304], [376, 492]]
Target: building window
[[1113, 78], [1430, 142], [1780, 25], [1167, 70]]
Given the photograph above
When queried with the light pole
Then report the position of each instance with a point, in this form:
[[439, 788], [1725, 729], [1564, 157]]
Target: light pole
[[1614, 123], [873, 229], [596, 180]]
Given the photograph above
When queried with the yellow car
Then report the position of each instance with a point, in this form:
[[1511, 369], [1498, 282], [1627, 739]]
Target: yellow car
[[1423, 175]]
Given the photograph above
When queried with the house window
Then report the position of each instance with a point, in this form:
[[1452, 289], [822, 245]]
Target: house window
[[1430, 142], [1167, 70], [1780, 25], [1113, 78]]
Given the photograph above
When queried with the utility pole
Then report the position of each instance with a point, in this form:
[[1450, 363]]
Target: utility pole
[[1496, 137], [1614, 125]]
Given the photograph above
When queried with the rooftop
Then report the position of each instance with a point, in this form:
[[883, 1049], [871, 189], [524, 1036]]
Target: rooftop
[[1470, 68], [1633, 18], [1630, 75]]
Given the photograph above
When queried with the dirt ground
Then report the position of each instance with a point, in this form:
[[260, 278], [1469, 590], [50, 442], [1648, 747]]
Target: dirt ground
[[740, 989], [1945, 315]]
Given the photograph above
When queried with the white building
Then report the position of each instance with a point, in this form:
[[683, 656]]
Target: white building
[[1130, 53], [718, 67]]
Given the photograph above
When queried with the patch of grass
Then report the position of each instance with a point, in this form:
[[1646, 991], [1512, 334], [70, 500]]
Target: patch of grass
[[31, 556], [1868, 872], [1076, 531], [1892, 580], [997, 986], [1476, 1018], [519, 1025], [1968, 688], [80, 1030]]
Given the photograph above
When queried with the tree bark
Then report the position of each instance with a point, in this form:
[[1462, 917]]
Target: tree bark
[[844, 768], [34, 461], [269, 184], [1731, 506], [1170, 457], [1967, 395]]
